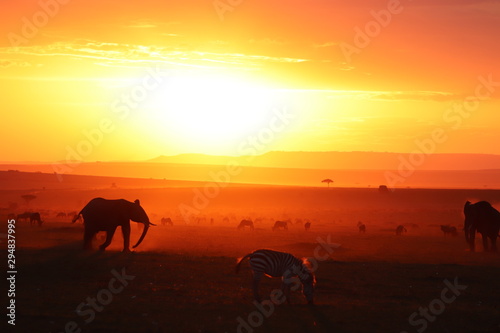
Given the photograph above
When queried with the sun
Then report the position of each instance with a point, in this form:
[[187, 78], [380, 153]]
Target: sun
[[211, 112]]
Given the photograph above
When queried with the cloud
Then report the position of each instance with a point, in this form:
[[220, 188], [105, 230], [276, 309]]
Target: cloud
[[438, 96], [114, 54]]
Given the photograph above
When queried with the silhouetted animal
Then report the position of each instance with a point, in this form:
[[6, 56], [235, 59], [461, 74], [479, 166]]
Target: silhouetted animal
[[361, 227], [106, 215], [35, 217], [245, 223], [167, 221], [280, 225], [24, 216], [307, 225], [400, 230], [280, 264], [449, 230], [483, 218]]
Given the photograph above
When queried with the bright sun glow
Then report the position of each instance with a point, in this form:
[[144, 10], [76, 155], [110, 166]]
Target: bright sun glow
[[208, 111]]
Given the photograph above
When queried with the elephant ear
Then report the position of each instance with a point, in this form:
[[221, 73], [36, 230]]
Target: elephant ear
[[137, 202]]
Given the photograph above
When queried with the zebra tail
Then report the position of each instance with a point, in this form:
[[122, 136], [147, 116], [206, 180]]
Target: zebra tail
[[238, 263]]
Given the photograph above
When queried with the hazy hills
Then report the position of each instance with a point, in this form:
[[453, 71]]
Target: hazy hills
[[344, 160], [347, 169]]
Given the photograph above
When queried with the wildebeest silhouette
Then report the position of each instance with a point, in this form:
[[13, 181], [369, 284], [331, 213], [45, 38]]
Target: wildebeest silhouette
[[280, 225], [449, 230], [483, 218], [307, 225], [36, 218], [361, 227], [24, 216], [106, 215], [400, 230], [167, 221], [246, 223]]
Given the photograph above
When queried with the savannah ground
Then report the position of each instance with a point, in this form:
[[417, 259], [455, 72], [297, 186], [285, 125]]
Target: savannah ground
[[182, 279]]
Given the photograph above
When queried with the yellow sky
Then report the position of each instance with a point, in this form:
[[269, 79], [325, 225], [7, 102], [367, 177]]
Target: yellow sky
[[138, 79]]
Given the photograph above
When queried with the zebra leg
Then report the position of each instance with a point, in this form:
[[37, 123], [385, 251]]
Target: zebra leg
[[109, 237], [285, 287], [257, 276]]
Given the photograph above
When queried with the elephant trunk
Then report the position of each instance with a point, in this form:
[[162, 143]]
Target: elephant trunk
[[144, 232]]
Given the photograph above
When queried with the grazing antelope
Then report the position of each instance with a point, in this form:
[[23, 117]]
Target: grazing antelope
[[400, 230], [280, 264], [280, 225], [449, 230], [245, 223], [167, 221]]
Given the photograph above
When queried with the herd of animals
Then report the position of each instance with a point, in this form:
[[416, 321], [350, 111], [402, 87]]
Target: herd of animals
[[106, 215]]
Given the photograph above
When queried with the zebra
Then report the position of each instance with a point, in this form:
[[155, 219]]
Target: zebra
[[245, 223], [280, 225], [400, 230], [280, 264]]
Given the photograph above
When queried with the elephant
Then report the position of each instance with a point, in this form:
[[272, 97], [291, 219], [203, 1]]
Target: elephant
[[483, 218], [106, 215]]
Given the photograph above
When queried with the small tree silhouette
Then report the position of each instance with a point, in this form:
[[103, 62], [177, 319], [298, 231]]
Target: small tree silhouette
[[327, 181], [28, 198]]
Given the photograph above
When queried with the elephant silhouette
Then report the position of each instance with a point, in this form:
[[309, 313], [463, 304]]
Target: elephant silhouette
[[483, 218], [106, 215]]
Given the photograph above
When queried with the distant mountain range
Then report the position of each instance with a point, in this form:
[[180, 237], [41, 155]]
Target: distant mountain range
[[344, 160]]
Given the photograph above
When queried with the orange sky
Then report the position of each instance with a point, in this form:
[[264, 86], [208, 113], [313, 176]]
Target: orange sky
[[137, 79]]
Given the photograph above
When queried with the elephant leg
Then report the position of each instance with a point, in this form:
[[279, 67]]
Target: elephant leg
[[472, 240], [88, 235], [494, 243], [255, 285], [126, 237], [485, 242], [109, 236]]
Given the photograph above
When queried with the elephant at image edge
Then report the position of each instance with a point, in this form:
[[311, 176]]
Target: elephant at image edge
[[106, 215], [483, 218]]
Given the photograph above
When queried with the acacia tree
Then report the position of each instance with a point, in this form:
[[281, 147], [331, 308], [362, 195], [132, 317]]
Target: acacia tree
[[28, 198], [327, 181]]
